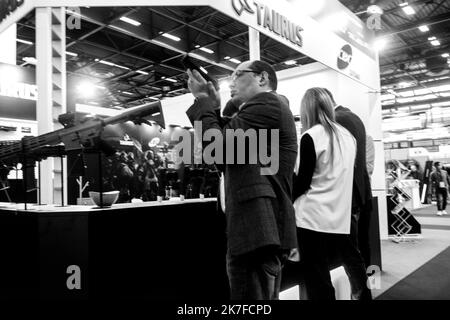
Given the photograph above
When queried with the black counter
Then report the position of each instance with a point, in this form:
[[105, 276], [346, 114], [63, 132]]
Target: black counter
[[159, 251]]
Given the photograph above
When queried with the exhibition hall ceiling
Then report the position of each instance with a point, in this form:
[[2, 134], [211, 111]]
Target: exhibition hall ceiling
[[414, 64], [133, 54]]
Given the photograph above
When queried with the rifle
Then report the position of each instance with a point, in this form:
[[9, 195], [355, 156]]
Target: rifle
[[74, 137]]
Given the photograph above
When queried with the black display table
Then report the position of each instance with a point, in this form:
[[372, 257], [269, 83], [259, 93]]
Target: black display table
[[160, 251]]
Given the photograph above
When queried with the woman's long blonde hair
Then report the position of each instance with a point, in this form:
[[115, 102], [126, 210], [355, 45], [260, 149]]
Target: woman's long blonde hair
[[317, 107]]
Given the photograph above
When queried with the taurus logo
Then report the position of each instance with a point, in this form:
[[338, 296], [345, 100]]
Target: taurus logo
[[345, 57], [240, 5]]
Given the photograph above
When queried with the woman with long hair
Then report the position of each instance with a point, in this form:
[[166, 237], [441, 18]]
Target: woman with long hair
[[322, 191]]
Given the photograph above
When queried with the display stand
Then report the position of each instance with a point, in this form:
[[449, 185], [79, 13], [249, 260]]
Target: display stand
[[411, 187], [402, 224], [100, 178], [4, 187]]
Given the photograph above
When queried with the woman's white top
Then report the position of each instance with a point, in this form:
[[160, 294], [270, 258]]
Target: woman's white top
[[326, 206]]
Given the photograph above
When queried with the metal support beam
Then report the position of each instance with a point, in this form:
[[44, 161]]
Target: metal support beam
[[152, 41], [411, 26], [253, 36], [18, 14], [99, 28], [115, 54], [51, 80], [171, 17]]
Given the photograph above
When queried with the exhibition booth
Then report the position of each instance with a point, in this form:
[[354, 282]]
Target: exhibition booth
[[167, 241]]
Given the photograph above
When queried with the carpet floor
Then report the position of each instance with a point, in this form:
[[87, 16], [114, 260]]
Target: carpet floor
[[429, 282]]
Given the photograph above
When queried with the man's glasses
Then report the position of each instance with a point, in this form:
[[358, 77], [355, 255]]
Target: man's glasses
[[239, 73]]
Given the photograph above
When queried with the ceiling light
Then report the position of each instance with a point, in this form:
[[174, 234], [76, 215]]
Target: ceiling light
[[407, 8], [121, 67], [226, 58], [435, 43], [128, 93], [171, 37], [197, 46], [142, 72], [290, 62], [106, 62], [156, 114], [130, 21], [445, 55], [374, 9], [380, 44], [207, 50], [431, 38], [72, 54], [86, 89], [25, 41], [30, 60], [111, 64], [404, 84], [235, 60], [204, 70], [171, 80], [424, 28]]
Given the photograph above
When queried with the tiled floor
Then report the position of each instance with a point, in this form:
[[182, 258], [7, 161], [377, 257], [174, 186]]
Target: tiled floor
[[400, 259]]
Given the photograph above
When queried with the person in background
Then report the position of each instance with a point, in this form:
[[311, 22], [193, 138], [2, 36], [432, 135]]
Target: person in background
[[440, 182], [414, 174], [323, 192], [124, 178], [260, 217], [150, 177], [361, 201]]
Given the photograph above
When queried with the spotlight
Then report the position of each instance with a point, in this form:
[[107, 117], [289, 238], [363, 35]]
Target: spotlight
[[86, 89], [374, 9]]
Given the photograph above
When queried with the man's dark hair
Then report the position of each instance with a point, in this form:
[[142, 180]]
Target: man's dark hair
[[259, 66], [330, 94], [437, 163]]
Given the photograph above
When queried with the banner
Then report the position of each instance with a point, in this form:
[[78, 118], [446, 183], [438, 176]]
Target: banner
[[18, 92]]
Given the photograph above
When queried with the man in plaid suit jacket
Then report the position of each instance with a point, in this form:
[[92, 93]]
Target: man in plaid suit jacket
[[260, 217]]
